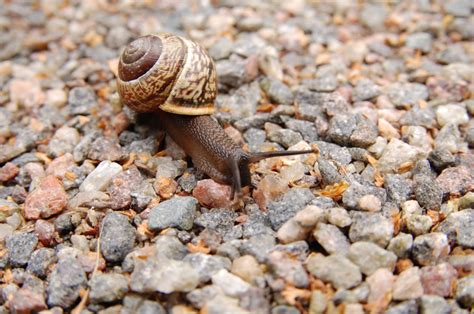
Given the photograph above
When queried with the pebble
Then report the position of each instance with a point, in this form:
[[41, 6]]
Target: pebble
[[163, 275], [284, 266], [47, 200], [458, 7], [331, 239], [134, 303], [465, 291], [231, 285], [365, 89], [81, 100], [258, 246], [451, 114], [207, 265], [8, 172], [178, 212], [370, 257], [105, 149], [8, 208], [410, 306], [65, 283], [455, 180], [430, 248], [40, 262], [211, 194], [418, 224], [370, 203], [381, 284], [247, 268], [371, 227], [117, 237], [335, 269], [288, 205], [27, 301], [5, 231], [459, 227], [20, 246], [421, 41], [401, 245], [403, 94], [441, 159], [439, 279], [107, 288], [339, 217], [64, 141], [434, 304], [100, 177], [408, 285], [353, 197], [225, 305], [325, 83], [277, 92], [285, 137]]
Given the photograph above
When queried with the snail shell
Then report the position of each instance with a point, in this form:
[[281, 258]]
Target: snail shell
[[167, 72]]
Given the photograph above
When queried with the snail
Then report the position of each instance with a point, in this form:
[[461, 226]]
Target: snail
[[175, 78]]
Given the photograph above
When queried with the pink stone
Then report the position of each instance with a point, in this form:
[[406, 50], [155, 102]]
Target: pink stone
[[212, 194], [439, 279], [408, 285], [269, 189], [381, 284], [8, 172], [44, 230], [59, 166], [27, 301], [26, 92], [47, 200]]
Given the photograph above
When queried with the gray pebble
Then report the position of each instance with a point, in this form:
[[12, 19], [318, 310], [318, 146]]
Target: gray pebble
[[420, 41], [134, 303], [433, 304], [430, 248], [356, 191], [285, 137], [170, 247], [402, 94], [406, 307], [278, 92], [108, 287], [117, 237], [20, 246], [336, 269], [177, 212], [365, 89], [258, 246], [288, 205], [465, 291], [331, 239], [222, 221], [207, 265], [65, 283], [370, 257], [371, 227], [81, 100], [459, 227], [40, 262]]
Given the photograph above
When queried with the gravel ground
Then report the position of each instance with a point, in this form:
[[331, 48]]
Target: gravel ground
[[100, 212]]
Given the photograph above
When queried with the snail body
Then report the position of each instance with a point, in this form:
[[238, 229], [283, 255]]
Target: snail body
[[175, 79]]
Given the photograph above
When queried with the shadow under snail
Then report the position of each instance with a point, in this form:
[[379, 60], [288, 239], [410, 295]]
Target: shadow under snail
[[176, 79]]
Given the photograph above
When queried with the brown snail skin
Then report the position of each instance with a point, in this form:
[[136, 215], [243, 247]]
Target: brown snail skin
[[175, 78]]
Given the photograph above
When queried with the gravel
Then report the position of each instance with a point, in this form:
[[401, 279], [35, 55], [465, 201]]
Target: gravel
[[96, 198]]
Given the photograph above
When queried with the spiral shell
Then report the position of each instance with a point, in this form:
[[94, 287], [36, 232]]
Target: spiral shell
[[167, 72]]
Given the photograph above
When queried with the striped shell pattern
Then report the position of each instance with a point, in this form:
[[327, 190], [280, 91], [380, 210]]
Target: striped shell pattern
[[167, 72]]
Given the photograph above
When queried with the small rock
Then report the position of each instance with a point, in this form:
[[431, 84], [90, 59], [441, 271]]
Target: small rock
[[117, 237], [8, 172], [222, 304], [371, 227], [40, 262], [207, 265], [408, 285], [401, 245], [278, 92], [177, 212], [458, 7], [318, 302], [107, 287], [370, 203], [439, 279], [381, 285], [100, 178], [230, 284], [465, 291], [429, 249], [418, 224], [455, 180], [410, 307], [163, 275], [459, 227], [365, 89], [66, 281], [356, 191], [285, 137], [370, 257], [211, 194], [247, 268], [433, 304], [27, 301], [331, 239], [284, 266], [403, 94], [288, 205], [339, 217], [47, 200], [105, 149], [441, 159], [451, 114], [397, 154], [258, 246], [398, 188], [336, 269], [81, 100], [420, 41], [20, 246], [64, 141]]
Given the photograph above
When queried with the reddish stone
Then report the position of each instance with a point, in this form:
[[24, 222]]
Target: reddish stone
[[439, 279], [8, 172], [165, 187], [212, 194], [44, 230], [59, 166], [47, 200], [26, 301], [456, 180]]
